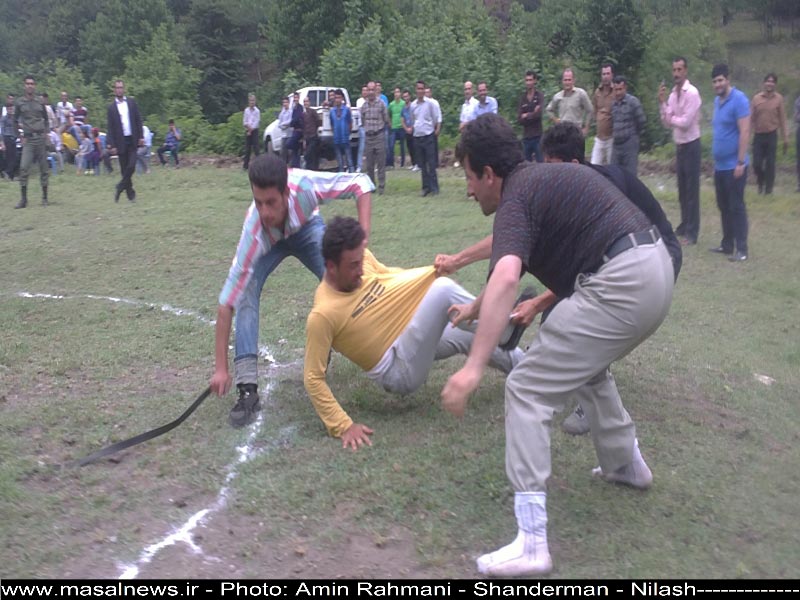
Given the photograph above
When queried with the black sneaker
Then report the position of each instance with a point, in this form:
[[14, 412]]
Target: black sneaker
[[528, 293], [246, 407]]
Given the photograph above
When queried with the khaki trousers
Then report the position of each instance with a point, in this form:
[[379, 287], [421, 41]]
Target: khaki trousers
[[609, 313]]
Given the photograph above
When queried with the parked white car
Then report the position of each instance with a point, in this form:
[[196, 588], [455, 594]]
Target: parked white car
[[273, 136]]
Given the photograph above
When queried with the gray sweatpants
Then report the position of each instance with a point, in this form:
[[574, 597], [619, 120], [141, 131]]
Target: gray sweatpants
[[429, 336], [608, 315]]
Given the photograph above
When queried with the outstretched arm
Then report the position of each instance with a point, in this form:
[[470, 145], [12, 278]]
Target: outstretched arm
[[446, 264]]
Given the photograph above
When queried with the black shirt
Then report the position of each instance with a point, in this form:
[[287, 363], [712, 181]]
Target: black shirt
[[560, 219]]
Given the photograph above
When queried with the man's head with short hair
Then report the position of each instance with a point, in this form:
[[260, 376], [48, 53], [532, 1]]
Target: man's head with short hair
[[171, 122], [620, 86], [364, 91], [269, 183], [428, 92], [372, 90], [568, 80], [45, 96], [720, 79], [64, 96], [119, 89], [338, 97], [10, 100], [606, 74], [483, 91], [343, 253], [406, 96], [564, 142], [770, 81], [285, 102], [78, 101], [680, 70], [251, 100], [468, 90], [490, 151], [30, 85], [530, 79], [419, 88], [397, 93]]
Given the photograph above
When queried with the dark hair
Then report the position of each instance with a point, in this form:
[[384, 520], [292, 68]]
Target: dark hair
[[420, 82], [530, 73], [405, 91], [681, 58], [720, 69], [268, 171], [771, 76], [341, 233], [490, 141], [29, 77], [171, 122], [78, 98], [338, 92], [44, 95], [564, 141], [607, 66], [619, 79]]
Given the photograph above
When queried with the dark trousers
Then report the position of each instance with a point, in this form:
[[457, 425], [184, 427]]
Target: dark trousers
[[412, 155], [626, 154], [730, 200], [688, 167], [293, 146], [765, 145], [172, 149], [425, 149], [312, 153], [397, 135], [10, 143], [127, 164], [250, 145], [531, 148], [797, 150]]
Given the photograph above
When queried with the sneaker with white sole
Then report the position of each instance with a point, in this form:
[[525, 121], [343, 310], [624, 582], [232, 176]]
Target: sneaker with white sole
[[635, 474]]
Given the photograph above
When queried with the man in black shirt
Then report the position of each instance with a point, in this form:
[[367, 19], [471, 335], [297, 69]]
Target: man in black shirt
[[610, 267]]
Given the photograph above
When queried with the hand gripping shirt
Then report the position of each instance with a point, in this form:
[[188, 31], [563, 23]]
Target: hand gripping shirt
[[307, 190], [362, 325]]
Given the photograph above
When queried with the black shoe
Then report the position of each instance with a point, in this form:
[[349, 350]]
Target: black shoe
[[117, 194], [738, 257], [246, 407], [511, 343], [131, 195], [424, 193], [720, 250]]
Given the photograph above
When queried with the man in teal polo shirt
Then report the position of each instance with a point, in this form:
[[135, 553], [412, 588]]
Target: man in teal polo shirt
[[731, 128]]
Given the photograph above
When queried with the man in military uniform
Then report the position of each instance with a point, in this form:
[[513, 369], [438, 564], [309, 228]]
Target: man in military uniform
[[30, 116]]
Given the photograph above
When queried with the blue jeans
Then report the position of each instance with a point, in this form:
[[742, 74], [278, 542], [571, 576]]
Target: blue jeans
[[531, 148], [397, 135], [730, 200], [362, 139], [306, 246], [342, 150]]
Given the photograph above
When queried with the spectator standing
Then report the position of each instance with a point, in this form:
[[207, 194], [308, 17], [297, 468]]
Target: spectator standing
[[486, 103], [251, 120], [529, 115], [408, 127], [731, 124], [375, 118], [124, 136], [602, 101], [171, 144], [359, 123], [425, 127], [311, 124], [63, 111], [571, 104], [9, 140], [681, 113], [628, 123], [767, 117], [396, 133], [296, 138], [797, 138], [468, 107], [341, 124], [285, 127], [30, 116]]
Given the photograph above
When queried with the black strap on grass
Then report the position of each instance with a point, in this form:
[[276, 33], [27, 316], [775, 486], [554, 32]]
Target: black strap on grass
[[143, 437]]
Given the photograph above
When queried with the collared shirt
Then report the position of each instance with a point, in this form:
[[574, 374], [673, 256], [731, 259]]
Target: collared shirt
[[374, 116], [628, 118], [725, 123], [124, 115], [171, 139], [311, 121], [30, 115], [603, 101], [545, 220], [251, 117], [7, 125], [423, 117], [79, 116], [307, 190], [682, 113], [51, 117], [531, 125], [55, 140], [285, 121], [490, 106], [768, 114], [341, 123], [467, 109], [147, 136], [572, 108]]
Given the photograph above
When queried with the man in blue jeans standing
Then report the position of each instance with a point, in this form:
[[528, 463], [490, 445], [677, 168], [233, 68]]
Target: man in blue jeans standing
[[731, 128], [282, 221]]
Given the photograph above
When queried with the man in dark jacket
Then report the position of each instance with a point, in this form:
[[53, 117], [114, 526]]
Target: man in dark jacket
[[123, 137]]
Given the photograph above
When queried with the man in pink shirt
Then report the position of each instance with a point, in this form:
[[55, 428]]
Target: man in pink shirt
[[681, 113]]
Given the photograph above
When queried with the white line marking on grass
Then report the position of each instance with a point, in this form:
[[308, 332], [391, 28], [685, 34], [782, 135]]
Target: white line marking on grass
[[246, 451]]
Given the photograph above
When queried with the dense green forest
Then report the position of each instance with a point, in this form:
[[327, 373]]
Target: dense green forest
[[196, 60]]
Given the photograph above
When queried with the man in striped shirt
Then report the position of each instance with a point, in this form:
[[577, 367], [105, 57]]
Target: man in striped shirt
[[282, 221]]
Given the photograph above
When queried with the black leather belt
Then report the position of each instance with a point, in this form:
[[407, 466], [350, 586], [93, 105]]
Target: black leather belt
[[376, 132], [632, 240]]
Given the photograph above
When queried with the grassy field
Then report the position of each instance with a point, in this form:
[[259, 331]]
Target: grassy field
[[714, 394]]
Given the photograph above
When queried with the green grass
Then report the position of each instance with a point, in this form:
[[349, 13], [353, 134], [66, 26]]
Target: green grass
[[79, 373]]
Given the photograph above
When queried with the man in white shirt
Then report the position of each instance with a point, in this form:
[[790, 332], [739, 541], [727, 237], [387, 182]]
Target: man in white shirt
[[251, 121], [64, 109], [124, 136], [468, 108]]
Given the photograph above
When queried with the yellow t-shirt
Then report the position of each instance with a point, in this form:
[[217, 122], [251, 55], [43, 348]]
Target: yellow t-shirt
[[361, 325]]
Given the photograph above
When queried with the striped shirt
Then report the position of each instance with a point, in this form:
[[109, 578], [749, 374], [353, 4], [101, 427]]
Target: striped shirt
[[307, 190], [374, 116]]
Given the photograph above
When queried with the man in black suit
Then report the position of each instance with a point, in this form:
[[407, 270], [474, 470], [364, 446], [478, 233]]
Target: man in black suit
[[123, 137]]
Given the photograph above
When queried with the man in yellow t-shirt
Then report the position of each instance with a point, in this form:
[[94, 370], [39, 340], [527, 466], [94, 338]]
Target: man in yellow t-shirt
[[391, 322]]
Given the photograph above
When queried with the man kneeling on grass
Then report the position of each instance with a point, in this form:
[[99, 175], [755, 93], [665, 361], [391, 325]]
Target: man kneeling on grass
[[391, 322]]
